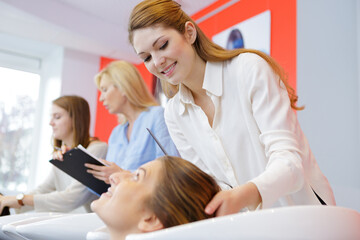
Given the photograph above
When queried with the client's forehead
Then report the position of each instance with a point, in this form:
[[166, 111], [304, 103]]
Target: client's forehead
[[152, 171]]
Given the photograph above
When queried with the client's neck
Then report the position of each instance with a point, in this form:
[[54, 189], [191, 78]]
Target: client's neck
[[116, 234]]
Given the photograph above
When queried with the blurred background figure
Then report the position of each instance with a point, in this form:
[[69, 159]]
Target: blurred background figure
[[70, 122]]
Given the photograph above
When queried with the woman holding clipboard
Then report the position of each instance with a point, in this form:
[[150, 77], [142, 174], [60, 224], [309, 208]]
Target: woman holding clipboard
[[70, 122]]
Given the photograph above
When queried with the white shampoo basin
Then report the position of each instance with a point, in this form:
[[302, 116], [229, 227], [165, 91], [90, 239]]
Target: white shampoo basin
[[18, 217], [298, 222], [71, 226], [9, 229]]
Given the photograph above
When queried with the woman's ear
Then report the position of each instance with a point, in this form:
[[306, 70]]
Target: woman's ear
[[150, 223], [190, 32]]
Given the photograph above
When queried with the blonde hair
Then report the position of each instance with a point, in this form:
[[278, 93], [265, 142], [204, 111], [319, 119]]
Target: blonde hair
[[79, 112], [168, 13], [126, 77], [182, 192]]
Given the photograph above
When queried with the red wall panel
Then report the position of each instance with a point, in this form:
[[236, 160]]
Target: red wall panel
[[283, 26]]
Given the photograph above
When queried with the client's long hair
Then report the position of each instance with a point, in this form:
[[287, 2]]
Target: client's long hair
[[182, 193]]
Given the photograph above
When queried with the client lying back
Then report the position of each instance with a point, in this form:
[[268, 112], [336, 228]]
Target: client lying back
[[165, 192]]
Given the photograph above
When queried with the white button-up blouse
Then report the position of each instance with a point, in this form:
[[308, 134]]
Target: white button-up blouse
[[255, 134]]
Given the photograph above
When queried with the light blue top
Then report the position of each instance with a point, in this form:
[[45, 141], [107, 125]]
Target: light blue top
[[141, 148]]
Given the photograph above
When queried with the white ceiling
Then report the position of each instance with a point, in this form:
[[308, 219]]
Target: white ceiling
[[94, 26]]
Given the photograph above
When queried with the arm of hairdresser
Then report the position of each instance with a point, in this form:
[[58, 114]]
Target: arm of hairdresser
[[46, 197], [277, 122], [225, 202]]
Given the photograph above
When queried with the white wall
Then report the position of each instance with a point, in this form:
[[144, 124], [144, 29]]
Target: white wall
[[328, 85], [78, 73], [51, 69]]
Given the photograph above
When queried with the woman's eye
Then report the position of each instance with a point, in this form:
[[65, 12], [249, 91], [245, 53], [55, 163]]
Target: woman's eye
[[147, 58], [164, 45]]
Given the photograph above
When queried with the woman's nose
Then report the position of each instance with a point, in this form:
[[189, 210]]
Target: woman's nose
[[101, 99], [159, 60]]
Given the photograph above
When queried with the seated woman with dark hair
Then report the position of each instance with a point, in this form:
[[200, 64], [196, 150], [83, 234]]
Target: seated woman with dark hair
[[163, 193]]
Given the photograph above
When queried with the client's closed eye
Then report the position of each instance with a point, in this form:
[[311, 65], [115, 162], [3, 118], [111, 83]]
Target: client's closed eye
[[139, 174], [136, 175]]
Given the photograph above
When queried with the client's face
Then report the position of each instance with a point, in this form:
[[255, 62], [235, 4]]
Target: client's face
[[123, 206]]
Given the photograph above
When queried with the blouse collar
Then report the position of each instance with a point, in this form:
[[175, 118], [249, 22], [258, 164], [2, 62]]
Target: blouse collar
[[213, 84]]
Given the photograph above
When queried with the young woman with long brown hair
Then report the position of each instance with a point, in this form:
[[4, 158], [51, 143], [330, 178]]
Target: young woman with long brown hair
[[70, 121], [231, 113]]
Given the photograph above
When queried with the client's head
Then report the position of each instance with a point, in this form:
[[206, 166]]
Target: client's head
[[166, 192]]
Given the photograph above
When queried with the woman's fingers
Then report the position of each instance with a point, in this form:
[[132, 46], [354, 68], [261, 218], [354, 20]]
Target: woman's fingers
[[213, 205], [58, 155], [232, 201]]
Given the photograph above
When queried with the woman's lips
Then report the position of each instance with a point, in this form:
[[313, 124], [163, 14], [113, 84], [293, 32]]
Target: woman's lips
[[169, 70]]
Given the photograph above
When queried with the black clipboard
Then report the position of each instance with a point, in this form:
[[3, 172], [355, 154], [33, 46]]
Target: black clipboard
[[73, 165]]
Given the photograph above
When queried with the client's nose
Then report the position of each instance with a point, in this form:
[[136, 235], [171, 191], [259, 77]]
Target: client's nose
[[115, 178]]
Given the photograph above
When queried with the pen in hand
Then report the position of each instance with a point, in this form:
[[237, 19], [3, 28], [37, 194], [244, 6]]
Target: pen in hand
[[58, 155]]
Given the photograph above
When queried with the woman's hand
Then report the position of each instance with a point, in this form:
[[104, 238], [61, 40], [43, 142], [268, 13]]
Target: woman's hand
[[8, 201], [232, 201], [58, 155], [103, 172]]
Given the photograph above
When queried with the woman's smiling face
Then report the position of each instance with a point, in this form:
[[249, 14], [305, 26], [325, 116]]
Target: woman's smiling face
[[123, 206], [167, 54]]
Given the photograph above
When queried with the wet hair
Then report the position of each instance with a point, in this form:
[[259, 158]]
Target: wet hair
[[79, 112], [127, 78], [168, 14], [182, 192]]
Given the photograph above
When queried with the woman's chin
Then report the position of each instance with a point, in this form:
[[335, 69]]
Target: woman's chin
[[95, 205]]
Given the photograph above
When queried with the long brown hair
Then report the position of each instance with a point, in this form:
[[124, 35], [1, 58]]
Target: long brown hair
[[182, 193], [168, 13], [79, 112], [126, 77]]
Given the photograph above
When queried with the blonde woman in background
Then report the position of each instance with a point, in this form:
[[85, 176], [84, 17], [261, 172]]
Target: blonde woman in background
[[124, 92]]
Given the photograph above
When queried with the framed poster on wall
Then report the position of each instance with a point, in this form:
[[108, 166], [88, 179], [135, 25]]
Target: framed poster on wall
[[252, 33]]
